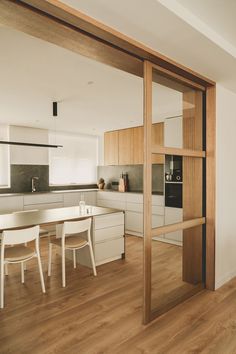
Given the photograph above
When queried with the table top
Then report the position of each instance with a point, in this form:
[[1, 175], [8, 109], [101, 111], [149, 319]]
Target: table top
[[49, 216]]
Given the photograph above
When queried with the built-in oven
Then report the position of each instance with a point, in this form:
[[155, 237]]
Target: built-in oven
[[173, 194]]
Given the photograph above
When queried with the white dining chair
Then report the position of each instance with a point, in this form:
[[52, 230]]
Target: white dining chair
[[19, 253], [71, 239]]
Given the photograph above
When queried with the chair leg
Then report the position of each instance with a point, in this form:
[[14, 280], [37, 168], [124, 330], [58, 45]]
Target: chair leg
[[22, 272], [6, 269], [74, 258], [41, 274], [2, 285], [63, 267], [92, 259], [49, 258]]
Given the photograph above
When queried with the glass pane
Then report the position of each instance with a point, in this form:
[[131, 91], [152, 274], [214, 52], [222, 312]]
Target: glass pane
[[180, 109], [177, 257], [177, 267]]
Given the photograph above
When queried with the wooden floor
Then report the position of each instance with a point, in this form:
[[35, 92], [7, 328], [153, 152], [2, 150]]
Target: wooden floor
[[103, 314]]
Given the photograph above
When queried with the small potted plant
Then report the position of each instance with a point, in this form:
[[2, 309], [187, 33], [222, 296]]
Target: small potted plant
[[101, 183]]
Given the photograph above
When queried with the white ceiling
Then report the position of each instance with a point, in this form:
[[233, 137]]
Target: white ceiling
[[92, 97], [200, 34]]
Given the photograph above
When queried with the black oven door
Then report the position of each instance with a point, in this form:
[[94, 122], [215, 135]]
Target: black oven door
[[173, 195]]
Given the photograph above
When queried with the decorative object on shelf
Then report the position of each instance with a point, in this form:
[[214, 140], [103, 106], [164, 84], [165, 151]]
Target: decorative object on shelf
[[101, 183]]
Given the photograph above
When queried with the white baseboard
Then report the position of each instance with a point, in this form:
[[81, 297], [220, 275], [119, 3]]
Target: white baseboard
[[224, 279]]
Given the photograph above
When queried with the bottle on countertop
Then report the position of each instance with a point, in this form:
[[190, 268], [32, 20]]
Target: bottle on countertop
[[82, 206]]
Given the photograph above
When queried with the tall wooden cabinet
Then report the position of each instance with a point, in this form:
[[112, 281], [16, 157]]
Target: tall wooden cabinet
[[111, 147], [125, 146]]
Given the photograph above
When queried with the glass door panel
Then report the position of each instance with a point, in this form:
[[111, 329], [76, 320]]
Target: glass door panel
[[177, 254]]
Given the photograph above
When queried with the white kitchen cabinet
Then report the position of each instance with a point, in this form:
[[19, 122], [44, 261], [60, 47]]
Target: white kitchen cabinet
[[43, 198], [107, 238], [90, 197], [134, 223], [43, 206], [111, 200], [73, 198], [172, 216], [132, 203], [173, 132], [9, 204]]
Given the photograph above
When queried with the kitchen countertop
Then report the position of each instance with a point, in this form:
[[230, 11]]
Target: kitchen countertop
[[49, 216], [48, 192], [75, 190], [134, 192]]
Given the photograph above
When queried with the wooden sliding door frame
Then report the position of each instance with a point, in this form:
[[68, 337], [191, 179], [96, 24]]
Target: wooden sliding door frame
[[209, 219], [57, 23]]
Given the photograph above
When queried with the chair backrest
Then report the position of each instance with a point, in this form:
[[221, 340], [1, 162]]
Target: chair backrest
[[76, 227], [15, 237]]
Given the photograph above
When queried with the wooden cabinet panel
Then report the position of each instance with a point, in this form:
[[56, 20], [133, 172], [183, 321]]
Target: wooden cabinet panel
[[126, 146], [138, 145], [111, 147], [158, 139]]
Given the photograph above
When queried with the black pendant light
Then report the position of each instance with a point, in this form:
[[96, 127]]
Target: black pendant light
[[54, 110]]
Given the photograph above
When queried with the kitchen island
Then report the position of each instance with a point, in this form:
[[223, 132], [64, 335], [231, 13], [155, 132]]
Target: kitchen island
[[107, 228]]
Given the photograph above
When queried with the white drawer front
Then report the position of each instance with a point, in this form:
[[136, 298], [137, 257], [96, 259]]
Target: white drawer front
[[90, 198], [158, 210], [134, 207], [134, 198], [71, 199], [134, 221], [105, 221], [109, 233], [109, 249], [158, 200], [111, 196], [43, 206], [43, 198], [173, 215], [111, 204], [157, 220], [10, 204]]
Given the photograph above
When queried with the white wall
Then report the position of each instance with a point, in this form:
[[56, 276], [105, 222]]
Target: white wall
[[225, 186], [22, 155]]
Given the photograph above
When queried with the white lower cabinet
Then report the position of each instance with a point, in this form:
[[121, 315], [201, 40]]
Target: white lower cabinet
[[11, 203], [108, 239], [132, 204], [73, 198], [172, 216]]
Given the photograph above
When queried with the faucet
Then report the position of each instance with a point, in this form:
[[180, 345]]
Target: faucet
[[33, 186]]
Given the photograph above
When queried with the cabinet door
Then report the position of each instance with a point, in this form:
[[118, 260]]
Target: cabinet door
[[134, 222], [174, 215], [138, 145], [126, 146], [90, 198], [158, 139], [111, 148]]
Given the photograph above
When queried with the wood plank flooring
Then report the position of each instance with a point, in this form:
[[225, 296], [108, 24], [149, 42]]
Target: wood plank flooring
[[103, 314]]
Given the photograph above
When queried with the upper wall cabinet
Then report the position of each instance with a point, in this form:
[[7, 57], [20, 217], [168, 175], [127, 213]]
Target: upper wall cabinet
[[125, 147], [111, 148], [138, 145]]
